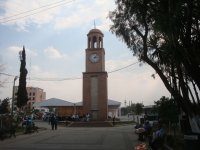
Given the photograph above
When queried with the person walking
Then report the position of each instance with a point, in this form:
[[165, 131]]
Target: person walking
[[113, 121], [52, 121], [55, 122]]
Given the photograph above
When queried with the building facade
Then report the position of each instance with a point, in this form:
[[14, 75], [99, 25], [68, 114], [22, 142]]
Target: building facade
[[35, 94], [64, 108]]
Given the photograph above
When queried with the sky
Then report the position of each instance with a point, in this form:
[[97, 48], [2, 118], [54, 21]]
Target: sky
[[54, 34]]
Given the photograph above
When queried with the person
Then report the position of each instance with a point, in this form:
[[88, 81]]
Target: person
[[56, 122], [76, 117], [137, 126], [24, 121], [114, 121], [158, 137], [28, 124], [53, 122], [143, 131], [147, 128], [148, 131], [139, 129], [49, 119], [87, 117]]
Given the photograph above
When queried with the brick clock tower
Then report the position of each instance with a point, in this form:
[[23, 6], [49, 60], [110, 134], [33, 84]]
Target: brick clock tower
[[95, 97]]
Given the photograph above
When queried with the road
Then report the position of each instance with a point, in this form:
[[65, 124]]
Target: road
[[68, 138]]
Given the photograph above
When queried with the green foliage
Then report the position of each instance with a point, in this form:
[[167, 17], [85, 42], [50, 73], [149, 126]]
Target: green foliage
[[167, 110], [22, 96], [136, 108], [124, 111], [4, 106]]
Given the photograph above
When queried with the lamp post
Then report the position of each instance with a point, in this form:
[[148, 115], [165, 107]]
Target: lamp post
[[13, 96]]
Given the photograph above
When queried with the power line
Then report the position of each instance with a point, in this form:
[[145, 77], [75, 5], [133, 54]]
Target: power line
[[9, 20], [7, 74], [71, 78], [31, 10], [123, 67], [54, 79]]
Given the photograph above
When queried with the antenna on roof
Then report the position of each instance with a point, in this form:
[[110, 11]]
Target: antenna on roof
[[94, 25]]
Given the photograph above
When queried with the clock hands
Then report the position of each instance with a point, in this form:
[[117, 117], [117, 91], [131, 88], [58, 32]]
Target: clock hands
[[94, 57]]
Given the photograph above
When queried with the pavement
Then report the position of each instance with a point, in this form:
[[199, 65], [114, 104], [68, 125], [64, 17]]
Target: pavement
[[74, 138]]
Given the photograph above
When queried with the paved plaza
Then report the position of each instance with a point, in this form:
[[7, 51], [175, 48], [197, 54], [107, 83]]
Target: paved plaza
[[69, 138]]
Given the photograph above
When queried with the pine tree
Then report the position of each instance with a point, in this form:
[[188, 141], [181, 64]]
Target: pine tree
[[22, 96]]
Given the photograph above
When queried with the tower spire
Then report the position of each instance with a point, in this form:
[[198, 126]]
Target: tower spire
[[94, 25]]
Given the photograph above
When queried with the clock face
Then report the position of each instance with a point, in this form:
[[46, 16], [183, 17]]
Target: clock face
[[94, 58]]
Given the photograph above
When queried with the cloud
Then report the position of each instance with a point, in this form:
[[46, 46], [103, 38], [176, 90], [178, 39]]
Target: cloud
[[16, 49], [69, 14], [86, 13], [24, 13], [38, 72], [53, 53]]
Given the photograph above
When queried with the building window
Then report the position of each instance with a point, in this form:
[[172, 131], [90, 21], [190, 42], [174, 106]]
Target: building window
[[34, 94]]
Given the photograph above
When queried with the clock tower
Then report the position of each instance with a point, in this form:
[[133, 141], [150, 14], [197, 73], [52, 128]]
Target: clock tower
[[95, 78]]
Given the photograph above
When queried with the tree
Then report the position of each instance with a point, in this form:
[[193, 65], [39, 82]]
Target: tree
[[22, 96], [124, 110], [165, 35], [138, 108], [167, 110], [4, 106]]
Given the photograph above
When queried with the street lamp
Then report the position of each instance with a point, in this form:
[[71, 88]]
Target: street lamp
[[13, 96]]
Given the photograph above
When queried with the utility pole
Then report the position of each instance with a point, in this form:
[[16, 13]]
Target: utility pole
[[125, 103], [13, 95]]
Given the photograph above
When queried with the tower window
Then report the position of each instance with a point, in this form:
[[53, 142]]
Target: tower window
[[100, 42], [89, 43], [94, 42]]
